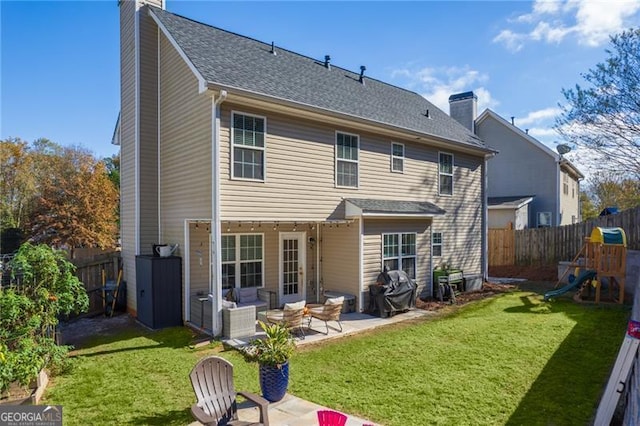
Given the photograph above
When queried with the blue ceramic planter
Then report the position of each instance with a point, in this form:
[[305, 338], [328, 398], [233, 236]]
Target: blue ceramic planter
[[274, 381]]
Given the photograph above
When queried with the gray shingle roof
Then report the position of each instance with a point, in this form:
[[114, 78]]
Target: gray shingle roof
[[229, 60], [394, 207]]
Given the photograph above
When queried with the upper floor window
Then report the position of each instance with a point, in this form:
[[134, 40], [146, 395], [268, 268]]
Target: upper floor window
[[242, 260], [565, 184], [247, 146], [445, 173], [397, 157], [399, 252], [436, 244], [347, 147]]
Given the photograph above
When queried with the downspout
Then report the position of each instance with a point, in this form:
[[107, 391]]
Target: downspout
[[216, 282], [558, 192]]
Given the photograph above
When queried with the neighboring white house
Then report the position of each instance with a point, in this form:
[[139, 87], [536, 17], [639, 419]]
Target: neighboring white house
[[524, 169]]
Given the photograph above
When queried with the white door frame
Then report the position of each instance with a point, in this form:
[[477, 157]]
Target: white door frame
[[302, 265]]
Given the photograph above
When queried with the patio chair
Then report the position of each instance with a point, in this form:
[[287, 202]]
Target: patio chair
[[212, 381], [330, 311], [331, 418], [292, 316]]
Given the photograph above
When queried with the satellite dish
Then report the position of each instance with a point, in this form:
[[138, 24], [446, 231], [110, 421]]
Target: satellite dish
[[563, 148]]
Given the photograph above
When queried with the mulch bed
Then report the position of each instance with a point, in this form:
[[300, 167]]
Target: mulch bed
[[488, 290]]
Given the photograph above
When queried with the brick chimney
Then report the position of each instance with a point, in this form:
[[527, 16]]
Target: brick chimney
[[463, 107]]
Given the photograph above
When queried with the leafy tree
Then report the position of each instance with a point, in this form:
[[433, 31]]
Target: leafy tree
[[113, 169], [17, 182], [76, 203], [587, 209], [604, 116], [612, 190]]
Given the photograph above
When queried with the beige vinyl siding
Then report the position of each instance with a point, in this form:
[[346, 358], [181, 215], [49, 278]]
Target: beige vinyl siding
[[300, 172], [148, 128], [199, 271], [185, 146], [372, 247], [462, 224], [127, 147], [569, 206], [340, 251]]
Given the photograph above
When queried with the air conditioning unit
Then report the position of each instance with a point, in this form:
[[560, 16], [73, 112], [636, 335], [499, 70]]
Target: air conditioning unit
[[544, 219]]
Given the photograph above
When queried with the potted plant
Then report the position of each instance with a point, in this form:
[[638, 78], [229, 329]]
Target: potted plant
[[272, 354]]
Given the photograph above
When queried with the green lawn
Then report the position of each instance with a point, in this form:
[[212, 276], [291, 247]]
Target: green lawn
[[510, 360]]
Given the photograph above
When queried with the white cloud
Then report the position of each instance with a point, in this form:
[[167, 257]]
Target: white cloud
[[512, 41], [437, 84], [549, 33], [535, 117], [596, 20], [591, 22]]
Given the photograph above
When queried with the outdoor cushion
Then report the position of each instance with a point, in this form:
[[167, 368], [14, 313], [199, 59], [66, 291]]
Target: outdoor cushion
[[229, 305], [248, 295], [296, 305], [334, 301]]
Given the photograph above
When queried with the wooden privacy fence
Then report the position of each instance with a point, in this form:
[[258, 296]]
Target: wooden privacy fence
[[551, 245], [89, 271], [501, 247]]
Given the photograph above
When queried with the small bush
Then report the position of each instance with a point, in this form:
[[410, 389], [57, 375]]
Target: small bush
[[43, 287]]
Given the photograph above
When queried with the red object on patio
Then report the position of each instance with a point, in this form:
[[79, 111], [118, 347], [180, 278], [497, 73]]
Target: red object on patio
[[331, 418]]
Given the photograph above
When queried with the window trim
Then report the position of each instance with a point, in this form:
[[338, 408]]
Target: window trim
[[446, 174], [440, 244], [238, 261], [232, 145], [400, 257], [335, 162], [394, 157]]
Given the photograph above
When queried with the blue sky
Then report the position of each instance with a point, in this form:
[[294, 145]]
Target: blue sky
[[60, 60]]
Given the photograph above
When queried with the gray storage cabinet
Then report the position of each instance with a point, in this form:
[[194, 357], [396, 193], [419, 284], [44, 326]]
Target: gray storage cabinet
[[159, 291]]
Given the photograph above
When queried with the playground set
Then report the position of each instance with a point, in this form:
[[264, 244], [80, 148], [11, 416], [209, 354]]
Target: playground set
[[602, 259]]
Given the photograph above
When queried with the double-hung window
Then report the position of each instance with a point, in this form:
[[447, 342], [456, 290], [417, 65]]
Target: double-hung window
[[445, 173], [436, 244], [242, 260], [247, 146], [397, 157], [399, 252], [347, 147]]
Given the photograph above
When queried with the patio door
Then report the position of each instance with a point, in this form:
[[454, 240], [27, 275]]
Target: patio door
[[292, 266]]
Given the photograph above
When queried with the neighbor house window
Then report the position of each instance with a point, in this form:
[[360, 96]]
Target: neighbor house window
[[242, 260], [347, 160], [565, 184], [436, 244], [445, 173], [247, 146], [544, 219], [399, 252], [397, 157]]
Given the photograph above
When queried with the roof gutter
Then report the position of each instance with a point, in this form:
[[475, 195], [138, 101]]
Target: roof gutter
[[314, 109], [215, 294]]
